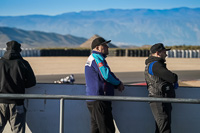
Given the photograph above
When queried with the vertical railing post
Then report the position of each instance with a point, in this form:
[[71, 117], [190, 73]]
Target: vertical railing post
[[61, 115]]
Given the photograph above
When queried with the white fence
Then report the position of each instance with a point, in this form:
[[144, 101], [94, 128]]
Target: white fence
[[184, 54], [26, 52], [32, 52]]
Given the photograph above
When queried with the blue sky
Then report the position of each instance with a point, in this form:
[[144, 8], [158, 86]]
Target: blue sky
[[55, 7]]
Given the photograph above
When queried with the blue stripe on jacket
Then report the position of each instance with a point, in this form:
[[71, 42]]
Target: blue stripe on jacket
[[99, 78], [151, 68]]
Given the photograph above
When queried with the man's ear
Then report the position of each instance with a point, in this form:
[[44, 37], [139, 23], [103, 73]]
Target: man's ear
[[158, 53], [97, 47]]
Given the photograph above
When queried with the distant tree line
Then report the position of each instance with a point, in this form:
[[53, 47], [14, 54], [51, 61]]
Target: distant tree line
[[129, 52], [184, 47]]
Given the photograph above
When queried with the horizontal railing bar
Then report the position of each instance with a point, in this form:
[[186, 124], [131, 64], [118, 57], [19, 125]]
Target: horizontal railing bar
[[104, 98]]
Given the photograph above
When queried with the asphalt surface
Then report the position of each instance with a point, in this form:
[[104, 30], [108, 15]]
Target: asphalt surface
[[125, 77]]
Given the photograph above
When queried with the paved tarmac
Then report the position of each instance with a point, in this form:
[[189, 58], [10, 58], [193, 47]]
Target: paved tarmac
[[125, 77]]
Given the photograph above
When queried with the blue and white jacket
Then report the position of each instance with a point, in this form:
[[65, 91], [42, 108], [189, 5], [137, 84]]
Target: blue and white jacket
[[99, 78]]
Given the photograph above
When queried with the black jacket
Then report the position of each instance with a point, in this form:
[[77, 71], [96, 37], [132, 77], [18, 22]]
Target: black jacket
[[161, 81], [15, 75], [160, 69]]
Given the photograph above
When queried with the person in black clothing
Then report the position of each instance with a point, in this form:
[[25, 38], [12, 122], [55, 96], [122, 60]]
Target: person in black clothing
[[161, 82], [15, 75]]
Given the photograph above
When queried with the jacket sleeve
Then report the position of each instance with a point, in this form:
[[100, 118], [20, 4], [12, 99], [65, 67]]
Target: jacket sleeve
[[30, 79], [161, 71], [105, 70]]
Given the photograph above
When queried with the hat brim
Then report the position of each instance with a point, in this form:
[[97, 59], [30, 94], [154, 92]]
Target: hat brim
[[168, 49], [106, 42]]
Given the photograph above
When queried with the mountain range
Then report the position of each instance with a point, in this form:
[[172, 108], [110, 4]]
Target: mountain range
[[36, 39], [138, 27]]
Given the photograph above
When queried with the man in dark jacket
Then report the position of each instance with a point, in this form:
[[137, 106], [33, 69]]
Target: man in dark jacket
[[161, 82], [15, 75]]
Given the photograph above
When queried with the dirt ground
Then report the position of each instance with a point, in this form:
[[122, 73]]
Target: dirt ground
[[69, 65]]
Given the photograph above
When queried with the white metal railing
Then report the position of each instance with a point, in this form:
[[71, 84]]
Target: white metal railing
[[104, 98]]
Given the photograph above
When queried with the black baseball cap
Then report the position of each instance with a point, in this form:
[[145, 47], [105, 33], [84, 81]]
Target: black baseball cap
[[99, 41], [158, 47]]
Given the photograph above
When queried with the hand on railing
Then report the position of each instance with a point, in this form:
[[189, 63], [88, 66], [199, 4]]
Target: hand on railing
[[121, 87], [176, 85]]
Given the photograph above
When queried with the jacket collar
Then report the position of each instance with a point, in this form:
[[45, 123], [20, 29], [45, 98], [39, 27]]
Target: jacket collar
[[153, 58], [95, 52], [11, 55]]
